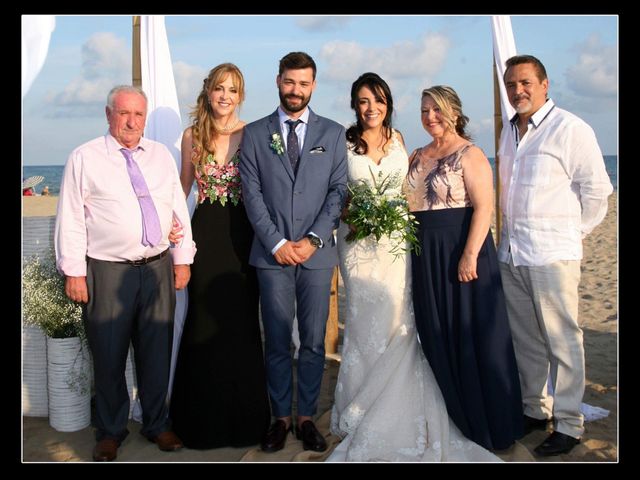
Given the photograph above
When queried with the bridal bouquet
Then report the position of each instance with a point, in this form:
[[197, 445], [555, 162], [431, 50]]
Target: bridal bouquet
[[373, 211]]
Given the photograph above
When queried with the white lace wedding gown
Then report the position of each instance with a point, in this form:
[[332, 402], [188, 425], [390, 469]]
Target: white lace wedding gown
[[388, 406]]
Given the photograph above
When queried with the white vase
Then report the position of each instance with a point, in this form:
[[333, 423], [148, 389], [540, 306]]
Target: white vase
[[69, 382], [35, 400]]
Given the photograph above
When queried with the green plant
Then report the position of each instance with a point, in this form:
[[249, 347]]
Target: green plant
[[44, 302], [374, 210]]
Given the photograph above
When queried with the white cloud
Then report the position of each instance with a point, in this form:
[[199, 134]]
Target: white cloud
[[189, 80], [106, 62], [402, 60], [320, 23], [596, 72]]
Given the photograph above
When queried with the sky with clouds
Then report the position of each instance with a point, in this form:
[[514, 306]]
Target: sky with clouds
[[89, 54]]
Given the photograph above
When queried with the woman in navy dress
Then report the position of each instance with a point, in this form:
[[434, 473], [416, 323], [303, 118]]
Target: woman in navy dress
[[459, 304]]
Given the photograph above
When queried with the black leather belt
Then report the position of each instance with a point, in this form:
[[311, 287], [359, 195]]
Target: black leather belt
[[144, 261]]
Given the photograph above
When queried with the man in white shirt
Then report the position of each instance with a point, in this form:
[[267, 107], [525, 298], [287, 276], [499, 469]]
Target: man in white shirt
[[118, 197], [554, 192]]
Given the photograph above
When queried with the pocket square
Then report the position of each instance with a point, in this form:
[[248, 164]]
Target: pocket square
[[317, 150]]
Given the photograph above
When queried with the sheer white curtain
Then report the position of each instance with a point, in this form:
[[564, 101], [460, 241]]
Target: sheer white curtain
[[164, 125], [36, 33]]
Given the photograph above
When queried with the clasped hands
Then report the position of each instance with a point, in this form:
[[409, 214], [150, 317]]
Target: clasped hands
[[294, 253]]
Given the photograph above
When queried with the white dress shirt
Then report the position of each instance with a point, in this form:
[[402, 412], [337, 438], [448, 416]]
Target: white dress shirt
[[98, 211], [554, 188]]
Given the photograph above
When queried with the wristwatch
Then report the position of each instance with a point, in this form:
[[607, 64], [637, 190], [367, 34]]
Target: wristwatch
[[315, 241]]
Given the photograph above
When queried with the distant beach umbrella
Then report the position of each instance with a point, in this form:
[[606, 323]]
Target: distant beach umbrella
[[32, 181]]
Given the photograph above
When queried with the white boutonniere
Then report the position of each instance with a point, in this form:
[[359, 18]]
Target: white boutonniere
[[276, 143]]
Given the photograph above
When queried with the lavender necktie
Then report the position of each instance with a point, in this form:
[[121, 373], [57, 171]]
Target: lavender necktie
[[293, 149], [151, 231]]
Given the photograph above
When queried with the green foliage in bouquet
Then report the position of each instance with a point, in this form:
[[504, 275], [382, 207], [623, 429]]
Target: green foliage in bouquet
[[373, 212], [44, 303]]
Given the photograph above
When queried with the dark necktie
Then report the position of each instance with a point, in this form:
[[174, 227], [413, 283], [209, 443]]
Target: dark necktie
[[293, 149], [151, 231]]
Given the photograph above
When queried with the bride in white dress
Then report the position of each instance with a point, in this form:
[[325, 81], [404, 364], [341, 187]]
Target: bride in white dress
[[388, 406]]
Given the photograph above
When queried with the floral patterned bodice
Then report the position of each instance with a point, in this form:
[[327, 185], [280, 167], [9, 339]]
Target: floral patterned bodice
[[434, 184], [219, 182]]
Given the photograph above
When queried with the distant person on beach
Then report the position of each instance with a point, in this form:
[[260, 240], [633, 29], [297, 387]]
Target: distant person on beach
[[118, 196], [459, 304], [45, 191], [293, 167], [388, 406], [219, 396], [554, 192], [28, 192]]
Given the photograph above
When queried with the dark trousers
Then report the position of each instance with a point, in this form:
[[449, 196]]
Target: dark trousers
[[130, 304], [281, 291]]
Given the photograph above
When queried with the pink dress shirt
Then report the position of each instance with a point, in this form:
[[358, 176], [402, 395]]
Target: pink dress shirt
[[98, 212]]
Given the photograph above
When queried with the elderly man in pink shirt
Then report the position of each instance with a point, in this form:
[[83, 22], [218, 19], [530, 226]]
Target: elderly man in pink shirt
[[119, 197]]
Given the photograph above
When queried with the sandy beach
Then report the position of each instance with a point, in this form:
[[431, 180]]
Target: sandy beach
[[599, 320]]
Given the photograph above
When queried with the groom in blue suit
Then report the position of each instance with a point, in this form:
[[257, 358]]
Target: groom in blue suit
[[293, 166]]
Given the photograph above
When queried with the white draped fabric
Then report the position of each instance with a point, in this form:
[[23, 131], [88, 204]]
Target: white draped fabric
[[36, 33], [504, 47], [163, 125]]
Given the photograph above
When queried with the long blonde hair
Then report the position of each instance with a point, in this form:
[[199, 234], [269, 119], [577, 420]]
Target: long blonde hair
[[203, 128]]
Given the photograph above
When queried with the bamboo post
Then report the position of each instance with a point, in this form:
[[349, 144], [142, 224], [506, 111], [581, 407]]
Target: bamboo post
[[497, 123], [136, 73], [331, 337]]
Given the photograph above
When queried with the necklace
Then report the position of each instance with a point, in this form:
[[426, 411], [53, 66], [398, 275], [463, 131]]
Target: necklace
[[228, 128]]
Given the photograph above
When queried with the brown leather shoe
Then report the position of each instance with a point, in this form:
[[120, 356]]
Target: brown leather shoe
[[311, 438], [276, 436], [106, 450], [168, 441]]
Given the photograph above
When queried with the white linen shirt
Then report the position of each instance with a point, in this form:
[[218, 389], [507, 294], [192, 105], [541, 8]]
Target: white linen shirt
[[98, 211], [554, 188]]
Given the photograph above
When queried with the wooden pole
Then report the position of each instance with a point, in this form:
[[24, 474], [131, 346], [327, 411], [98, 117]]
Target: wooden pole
[[331, 337], [497, 123], [136, 73]]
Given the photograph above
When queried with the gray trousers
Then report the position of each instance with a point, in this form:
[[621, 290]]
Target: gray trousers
[[542, 304], [130, 304]]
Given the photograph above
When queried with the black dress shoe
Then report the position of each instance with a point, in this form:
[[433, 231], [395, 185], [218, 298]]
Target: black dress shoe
[[530, 424], [556, 444], [276, 436], [311, 438]]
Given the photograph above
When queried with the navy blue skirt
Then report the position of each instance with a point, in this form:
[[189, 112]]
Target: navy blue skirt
[[464, 331]]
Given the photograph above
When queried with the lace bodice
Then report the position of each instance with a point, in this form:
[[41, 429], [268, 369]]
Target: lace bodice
[[394, 165]]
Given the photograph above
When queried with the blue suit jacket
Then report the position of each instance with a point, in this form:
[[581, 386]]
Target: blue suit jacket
[[282, 205]]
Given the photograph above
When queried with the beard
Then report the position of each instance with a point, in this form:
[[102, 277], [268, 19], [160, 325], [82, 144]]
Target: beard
[[284, 101], [525, 106]]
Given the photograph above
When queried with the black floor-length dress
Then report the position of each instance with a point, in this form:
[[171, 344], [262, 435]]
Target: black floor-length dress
[[219, 395]]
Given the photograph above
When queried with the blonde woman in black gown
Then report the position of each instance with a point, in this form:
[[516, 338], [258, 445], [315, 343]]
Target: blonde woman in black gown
[[219, 395]]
